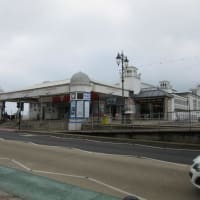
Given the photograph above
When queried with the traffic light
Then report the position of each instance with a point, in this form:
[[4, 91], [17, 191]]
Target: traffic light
[[20, 105]]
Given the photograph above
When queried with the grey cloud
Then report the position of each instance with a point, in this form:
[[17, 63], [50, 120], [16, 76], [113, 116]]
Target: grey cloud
[[51, 40]]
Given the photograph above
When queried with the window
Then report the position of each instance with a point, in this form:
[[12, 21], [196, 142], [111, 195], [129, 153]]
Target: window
[[194, 104], [180, 102], [129, 72], [80, 95]]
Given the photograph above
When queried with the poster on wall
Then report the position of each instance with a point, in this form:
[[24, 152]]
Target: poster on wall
[[87, 109], [86, 96], [73, 109], [72, 96], [79, 110]]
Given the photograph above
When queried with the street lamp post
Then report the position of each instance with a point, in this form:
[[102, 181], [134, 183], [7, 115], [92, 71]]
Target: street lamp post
[[123, 60]]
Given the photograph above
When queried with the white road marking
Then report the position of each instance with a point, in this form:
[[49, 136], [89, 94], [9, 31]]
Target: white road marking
[[143, 145], [74, 176], [52, 136], [28, 135], [109, 142], [85, 151], [20, 164], [135, 156], [4, 158], [33, 143], [166, 162], [174, 149], [59, 174], [114, 188], [90, 179]]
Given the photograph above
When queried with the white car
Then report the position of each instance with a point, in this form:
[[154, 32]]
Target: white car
[[195, 172]]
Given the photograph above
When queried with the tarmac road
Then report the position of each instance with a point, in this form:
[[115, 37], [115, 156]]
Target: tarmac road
[[117, 175], [182, 156]]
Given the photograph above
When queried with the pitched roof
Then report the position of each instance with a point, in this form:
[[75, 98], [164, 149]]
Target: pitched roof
[[153, 93]]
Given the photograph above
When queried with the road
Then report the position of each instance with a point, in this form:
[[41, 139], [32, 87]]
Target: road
[[118, 173], [182, 156]]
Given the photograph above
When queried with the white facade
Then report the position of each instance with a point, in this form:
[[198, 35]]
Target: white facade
[[166, 86], [49, 100], [132, 79]]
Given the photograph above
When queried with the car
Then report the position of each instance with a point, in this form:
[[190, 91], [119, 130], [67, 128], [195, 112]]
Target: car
[[195, 172]]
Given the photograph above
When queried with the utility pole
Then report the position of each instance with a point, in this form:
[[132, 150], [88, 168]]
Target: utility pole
[[123, 60]]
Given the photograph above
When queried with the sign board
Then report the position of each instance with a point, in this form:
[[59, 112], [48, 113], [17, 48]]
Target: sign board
[[86, 96], [111, 101], [73, 96], [73, 109], [79, 109], [87, 109]]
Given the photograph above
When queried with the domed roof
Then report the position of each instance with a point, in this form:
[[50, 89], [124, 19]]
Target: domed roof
[[80, 79]]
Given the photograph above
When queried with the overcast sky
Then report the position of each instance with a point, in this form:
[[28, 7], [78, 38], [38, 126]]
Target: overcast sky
[[46, 40]]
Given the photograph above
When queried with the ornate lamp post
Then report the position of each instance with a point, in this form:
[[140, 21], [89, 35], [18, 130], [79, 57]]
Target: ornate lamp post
[[123, 60]]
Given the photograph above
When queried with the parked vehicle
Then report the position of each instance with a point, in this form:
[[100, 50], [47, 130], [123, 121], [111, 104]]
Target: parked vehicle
[[195, 172]]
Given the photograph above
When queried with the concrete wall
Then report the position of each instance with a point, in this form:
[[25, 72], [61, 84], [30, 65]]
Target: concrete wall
[[45, 125], [184, 137]]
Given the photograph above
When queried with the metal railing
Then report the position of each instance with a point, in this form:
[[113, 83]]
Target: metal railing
[[171, 120]]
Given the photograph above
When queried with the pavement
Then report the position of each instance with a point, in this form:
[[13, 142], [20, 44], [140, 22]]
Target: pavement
[[32, 187], [6, 196]]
